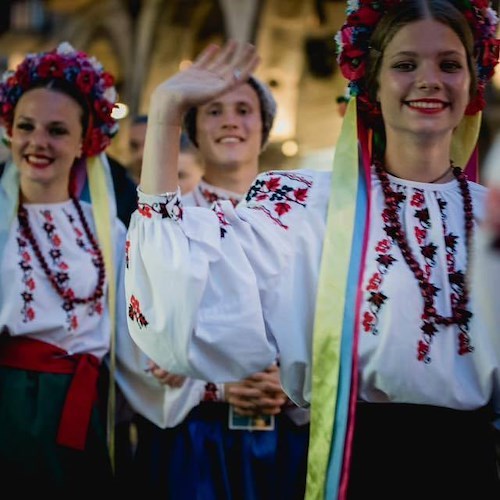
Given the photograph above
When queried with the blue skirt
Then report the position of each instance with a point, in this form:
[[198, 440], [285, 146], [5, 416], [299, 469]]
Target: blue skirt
[[202, 459]]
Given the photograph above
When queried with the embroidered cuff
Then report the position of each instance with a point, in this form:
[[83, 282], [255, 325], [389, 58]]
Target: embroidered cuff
[[167, 205], [211, 392]]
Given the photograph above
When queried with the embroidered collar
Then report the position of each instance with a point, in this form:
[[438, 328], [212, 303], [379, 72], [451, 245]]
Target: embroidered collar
[[211, 194]]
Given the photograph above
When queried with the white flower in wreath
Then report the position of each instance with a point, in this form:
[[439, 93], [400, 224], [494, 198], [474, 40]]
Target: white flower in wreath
[[65, 48], [110, 94], [96, 65]]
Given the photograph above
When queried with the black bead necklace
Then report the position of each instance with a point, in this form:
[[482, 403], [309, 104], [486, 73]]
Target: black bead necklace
[[460, 315], [66, 295]]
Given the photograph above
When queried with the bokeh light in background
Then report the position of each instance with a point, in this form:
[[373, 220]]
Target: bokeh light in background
[[120, 111]]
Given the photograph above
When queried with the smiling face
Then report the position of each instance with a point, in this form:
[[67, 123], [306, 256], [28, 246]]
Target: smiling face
[[46, 140], [424, 80], [229, 128]]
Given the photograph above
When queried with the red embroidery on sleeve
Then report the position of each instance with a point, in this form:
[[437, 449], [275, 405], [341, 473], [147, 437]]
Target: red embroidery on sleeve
[[135, 314]]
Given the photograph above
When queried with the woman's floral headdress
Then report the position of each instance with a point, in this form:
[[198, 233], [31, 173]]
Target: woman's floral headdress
[[76, 68], [353, 41]]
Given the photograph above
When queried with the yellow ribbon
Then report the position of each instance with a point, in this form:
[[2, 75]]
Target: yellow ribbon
[[331, 302], [465, 138], [100, 198]]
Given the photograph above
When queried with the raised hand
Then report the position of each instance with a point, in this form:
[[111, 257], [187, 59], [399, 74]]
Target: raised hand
[[215, 71]]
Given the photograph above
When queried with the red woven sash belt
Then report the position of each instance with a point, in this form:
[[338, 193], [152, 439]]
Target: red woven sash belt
[[29, 354]]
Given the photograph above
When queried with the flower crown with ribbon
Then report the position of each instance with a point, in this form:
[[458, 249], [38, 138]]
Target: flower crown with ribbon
[[353, 43], [72, 67]]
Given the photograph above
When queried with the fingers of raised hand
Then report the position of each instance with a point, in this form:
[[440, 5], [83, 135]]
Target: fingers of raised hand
[[233, 63], [243, 63]]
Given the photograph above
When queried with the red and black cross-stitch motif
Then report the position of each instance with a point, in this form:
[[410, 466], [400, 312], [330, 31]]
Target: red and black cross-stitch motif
[[135, 314], [60, 270], [212, 197], [169, 209], [376, 299], [278, 194]]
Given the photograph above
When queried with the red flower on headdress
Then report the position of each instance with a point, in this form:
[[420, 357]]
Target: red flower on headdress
[[85, 80], [108, 79], [482, 4], [11, 80], [21, 78], [352, 63], [364, 16], [490, 55], [51, 66], [103, 109], [6, 108]]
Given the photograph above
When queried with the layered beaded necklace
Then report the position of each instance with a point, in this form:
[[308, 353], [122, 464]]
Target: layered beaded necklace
[[460, 315], [55, 279]]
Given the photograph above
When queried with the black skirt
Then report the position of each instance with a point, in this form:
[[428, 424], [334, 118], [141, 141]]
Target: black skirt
[[404, 451]]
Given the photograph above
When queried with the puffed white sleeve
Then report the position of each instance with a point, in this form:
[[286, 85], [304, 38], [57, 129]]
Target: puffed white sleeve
[[216, 294], [159, 403]]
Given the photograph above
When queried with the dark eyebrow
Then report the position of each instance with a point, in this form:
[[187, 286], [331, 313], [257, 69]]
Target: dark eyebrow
[[410, 53], [56, 123], [237, 103]]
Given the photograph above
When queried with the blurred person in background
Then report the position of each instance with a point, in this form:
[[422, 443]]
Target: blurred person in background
[[190, 167]]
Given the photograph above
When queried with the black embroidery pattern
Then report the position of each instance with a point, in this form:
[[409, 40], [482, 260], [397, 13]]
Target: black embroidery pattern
[[28, 312]]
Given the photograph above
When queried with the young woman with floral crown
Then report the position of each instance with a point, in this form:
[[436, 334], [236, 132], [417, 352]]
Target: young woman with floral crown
[[358, 277], [61, 285]]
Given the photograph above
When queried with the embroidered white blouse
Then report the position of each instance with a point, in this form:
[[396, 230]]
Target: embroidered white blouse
[[196, 276], [32, 307], [183, 399]]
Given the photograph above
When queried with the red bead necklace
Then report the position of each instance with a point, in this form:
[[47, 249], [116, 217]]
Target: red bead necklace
[[460, 315], [66, 295]]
